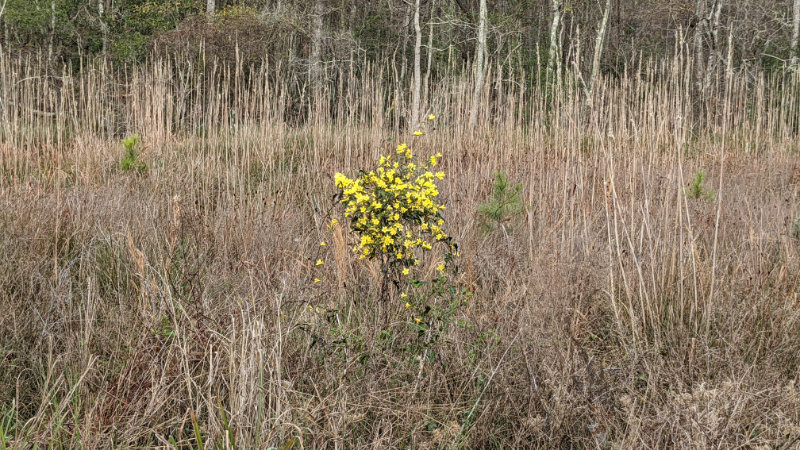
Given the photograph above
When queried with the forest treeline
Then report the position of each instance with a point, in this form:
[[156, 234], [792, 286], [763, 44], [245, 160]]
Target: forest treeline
[[758, 34]]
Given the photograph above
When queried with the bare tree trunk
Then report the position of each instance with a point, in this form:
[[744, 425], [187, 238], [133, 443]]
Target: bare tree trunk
[[554, 39], [101, 9], [795, 33], [700, 16], [5, 25], [426, 83], [714, 50], [417, 81], [404, 64], [598, 45], [314, 62], [210, 7], [52, 30], [479, 59]]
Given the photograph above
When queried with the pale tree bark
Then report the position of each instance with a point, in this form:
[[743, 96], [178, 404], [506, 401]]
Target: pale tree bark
[[598, 45], [5, 27], [101, 10], [713, 52], [555, 50], [479, 66], [52, 30], [211, 5], [795, 33], [417, 81], [426, 83], [315, 59], [700, 16]]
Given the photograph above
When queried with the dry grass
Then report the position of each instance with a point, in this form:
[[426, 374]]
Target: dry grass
[[144, 309]]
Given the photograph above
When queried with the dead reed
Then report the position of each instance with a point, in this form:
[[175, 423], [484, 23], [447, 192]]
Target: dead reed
[[170, 306]]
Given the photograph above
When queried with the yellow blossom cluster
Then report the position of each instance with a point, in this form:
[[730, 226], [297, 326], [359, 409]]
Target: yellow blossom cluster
[[393, 209]]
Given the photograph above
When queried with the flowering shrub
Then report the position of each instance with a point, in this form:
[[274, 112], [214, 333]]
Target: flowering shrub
[[395, 213], [395, 217]]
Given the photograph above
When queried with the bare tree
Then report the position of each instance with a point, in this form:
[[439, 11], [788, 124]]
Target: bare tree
[[417, 81], [598, 45], [101, 9], [315, 59], [52, 30], [713, 51], [555, 48], [479, 60], [210, 7], [2, 10], [426, 82], [700, 14], [795, 33]]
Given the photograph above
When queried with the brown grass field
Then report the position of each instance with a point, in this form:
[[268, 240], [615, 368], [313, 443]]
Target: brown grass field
[[168, 307]]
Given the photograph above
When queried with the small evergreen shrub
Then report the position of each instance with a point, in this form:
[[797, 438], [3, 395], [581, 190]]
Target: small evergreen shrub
[[504, 205], [697, 189], [130, 160]]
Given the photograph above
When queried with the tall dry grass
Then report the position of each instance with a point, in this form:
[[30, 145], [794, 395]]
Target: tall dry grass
[[171, 306]]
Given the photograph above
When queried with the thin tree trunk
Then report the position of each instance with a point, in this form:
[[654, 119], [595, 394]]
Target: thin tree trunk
[[700, 15], [554, 39], [714, 50], [404, 64], [210, 7], [598, 45], [101, 9], [417, 81], [314, 63], [795, 33], [479, 57], [559, 58], [52, 30], [426, 83], [5, 25]]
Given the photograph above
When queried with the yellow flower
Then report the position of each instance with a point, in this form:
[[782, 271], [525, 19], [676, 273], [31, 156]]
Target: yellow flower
[[408, 305], [317, 280], [403, 295], [417, 319], [322, 244], [440, 267], [418, 133], [405, 271], [320, 262], [431, 117]]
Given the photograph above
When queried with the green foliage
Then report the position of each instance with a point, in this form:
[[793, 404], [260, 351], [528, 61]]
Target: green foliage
[[165, 328], [434, 304], [8, 425], [697, 189], [393, 214], [130, 160], [503, 207], [393, 210]]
